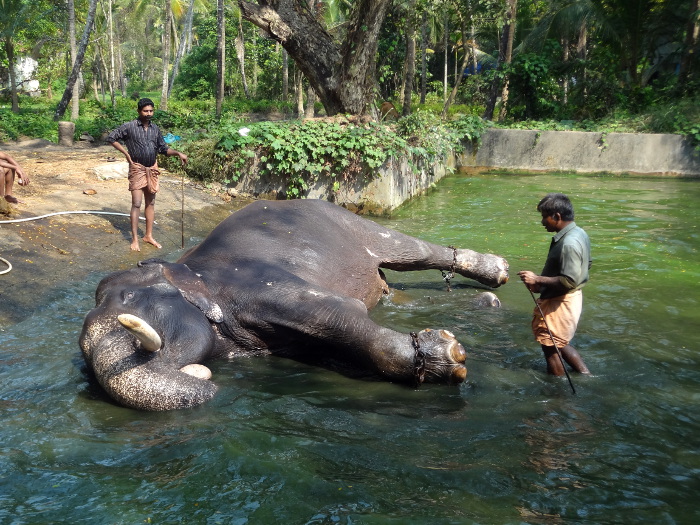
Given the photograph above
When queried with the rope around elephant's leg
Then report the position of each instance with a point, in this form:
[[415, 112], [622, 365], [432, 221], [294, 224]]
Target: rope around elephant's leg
[[9, 266]]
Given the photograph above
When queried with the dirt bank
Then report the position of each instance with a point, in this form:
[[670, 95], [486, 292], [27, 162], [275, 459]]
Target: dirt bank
[[48, 252]]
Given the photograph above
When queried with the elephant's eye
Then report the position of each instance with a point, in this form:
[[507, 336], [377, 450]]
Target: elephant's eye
[[128, 296]]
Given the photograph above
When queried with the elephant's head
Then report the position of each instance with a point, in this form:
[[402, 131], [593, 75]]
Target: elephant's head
[[149, 330]]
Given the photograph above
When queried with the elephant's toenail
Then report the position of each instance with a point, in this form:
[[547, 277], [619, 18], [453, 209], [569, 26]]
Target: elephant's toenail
[[459, 374], [458, 354]]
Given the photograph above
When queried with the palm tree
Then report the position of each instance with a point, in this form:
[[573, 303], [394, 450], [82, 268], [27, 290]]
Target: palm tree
[[167, 14], [220, 55], [68, 93], [505, 49], [186, 32], [75, 106]]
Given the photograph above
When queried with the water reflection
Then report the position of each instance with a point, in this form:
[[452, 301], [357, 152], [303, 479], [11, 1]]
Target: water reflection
[[286, 442]]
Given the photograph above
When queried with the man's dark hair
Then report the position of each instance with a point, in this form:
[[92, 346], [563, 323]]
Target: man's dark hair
[[145, 102], [556, 203]]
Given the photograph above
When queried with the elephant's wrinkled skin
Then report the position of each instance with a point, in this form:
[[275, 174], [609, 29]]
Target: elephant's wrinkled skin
[[290, 278]]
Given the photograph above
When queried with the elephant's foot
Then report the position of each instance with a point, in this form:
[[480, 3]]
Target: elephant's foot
[[439, 357], [491, 270]]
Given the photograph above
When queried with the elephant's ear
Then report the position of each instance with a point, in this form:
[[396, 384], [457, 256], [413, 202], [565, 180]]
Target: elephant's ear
[[191, 286]]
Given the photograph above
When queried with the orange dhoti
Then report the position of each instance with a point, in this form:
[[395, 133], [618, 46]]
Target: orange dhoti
[[562, 315]]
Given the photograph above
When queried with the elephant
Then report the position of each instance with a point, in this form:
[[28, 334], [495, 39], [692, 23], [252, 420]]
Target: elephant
[[292, 278]]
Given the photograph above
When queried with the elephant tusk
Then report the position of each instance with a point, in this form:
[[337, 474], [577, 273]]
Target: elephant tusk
[[150, 340], [198, 371]]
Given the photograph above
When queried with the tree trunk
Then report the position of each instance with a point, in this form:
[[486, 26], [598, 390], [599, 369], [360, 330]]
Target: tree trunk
[[104, 71], [310, 110], [343, 76], [240, 54], [691, 47], [75, 101], [68, 92], [299, 92], [472, 38], [310, 94], [423, 57], [220, 55], [95, 74], [447, 54], [166, 56], [410, 68], [187, 26], [565, 60], [503, 43], [10, 51], [510, 28], [188, 32], [285, 75], [582, 52], [110, 41], [120, 66], [463, 66]]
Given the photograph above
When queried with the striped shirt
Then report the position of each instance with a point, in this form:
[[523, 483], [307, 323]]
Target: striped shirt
[[142, 143]]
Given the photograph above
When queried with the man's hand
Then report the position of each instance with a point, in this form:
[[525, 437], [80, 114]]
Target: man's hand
[[183, 158], [530, 280]]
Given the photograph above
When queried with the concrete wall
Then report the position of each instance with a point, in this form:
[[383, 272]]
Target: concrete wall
[[584, 152]]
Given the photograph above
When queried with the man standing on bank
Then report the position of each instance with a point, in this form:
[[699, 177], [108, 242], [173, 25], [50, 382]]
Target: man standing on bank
[[565, 272], [143, 141]]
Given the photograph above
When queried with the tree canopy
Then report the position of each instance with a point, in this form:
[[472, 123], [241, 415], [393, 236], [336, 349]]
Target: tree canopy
[[506, 59]]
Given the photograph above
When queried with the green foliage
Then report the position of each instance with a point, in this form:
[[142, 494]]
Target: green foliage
[[337, 148], [533, 90], [197, 76], [302, 151], [30, 123]]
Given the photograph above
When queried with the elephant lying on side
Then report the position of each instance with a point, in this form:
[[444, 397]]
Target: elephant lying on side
[[290, 278]]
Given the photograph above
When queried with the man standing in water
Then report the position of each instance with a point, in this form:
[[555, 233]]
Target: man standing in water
[[143, 141], [565, 272]]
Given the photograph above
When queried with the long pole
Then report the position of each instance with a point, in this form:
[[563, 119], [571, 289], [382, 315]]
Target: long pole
[[182, 212], [552, 338]]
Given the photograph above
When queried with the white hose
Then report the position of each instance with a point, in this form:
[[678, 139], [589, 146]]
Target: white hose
[[68, 212], [9, 266]]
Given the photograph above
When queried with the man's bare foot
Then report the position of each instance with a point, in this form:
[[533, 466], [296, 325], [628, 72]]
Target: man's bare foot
[[135, 246], [151, 240], [12, 200]]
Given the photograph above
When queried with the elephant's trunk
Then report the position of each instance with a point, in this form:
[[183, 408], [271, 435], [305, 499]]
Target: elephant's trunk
[[136, 378]]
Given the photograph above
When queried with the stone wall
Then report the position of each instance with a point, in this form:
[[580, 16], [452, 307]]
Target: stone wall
[[583, 152]]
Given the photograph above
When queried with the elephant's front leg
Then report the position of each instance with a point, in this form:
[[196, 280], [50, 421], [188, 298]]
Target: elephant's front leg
[[340, 331], [404, 253]]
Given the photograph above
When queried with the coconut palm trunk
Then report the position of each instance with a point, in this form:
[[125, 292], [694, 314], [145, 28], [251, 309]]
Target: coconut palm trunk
[[68, 92]]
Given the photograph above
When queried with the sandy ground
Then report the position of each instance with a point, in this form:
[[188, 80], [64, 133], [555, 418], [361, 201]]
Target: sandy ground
[[47, 253]]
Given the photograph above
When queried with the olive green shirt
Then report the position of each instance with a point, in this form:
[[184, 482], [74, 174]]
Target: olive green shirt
[[569, 258]]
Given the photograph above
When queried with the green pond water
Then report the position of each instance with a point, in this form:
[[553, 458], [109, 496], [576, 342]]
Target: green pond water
[[287, 443]]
